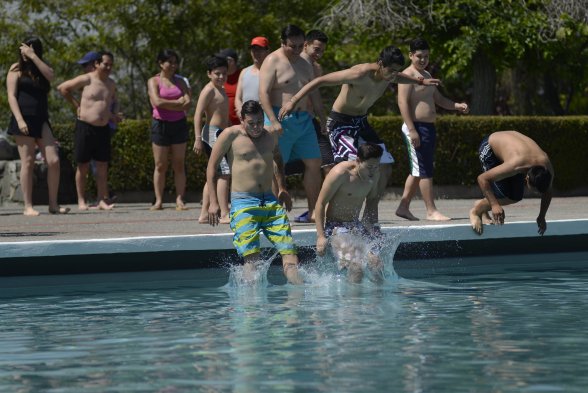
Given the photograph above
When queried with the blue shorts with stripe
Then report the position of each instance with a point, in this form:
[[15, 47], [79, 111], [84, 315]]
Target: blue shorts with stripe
[[253, 213], [421, 158]]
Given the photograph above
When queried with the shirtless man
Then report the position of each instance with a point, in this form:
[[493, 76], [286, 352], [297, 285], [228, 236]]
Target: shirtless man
[[252, 153], [282, 74], [510, 160], [92, 140], [361, 86], [214, 103], [417, 106], [344, 190]]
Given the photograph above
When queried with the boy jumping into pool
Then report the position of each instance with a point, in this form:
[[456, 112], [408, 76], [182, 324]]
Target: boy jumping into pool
[[510, 160], [252, 154], [344, 190]]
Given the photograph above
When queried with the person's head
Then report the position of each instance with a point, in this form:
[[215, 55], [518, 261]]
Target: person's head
[[103, 64], [368, 160], [419, 53], [252, 118], [539, 178], [168, 61], [232, 59], [217, 68], [87, 62], [292, 38], [259, 49], [27, 67], [315, 44], [391, 62]]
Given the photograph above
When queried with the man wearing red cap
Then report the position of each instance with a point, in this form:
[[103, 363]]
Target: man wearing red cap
[[248, 86]]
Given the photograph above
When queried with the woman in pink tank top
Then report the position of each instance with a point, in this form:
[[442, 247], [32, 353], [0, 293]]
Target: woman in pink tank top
[[170, 98]]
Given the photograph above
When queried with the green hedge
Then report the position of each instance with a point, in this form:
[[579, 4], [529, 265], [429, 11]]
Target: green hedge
[[565, 139]]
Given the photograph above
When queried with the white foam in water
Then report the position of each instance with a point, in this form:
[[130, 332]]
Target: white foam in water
[[244, 276]]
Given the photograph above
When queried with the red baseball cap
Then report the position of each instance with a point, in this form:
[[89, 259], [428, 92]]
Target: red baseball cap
[[260, 41]]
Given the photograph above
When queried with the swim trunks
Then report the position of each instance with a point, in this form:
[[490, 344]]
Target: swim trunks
[[253, 213], [92, 142], [296, 167], [512, 187], [167, 133], [209, 136], [348, 132], [421, 159], [299, 138]]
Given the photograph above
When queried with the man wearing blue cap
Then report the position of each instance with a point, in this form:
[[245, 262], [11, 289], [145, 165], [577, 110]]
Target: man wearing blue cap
[[87, 62]]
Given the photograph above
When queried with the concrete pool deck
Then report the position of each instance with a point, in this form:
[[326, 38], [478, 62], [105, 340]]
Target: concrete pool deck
[[53, 244]]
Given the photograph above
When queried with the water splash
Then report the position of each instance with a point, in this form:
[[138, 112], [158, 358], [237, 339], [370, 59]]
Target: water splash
[[251, 274]]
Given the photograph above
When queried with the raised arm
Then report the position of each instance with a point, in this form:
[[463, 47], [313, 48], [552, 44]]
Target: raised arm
[[220, 148], [43, 67]]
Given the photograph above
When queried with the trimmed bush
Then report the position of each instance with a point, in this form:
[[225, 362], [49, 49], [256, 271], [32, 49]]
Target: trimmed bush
[[565, 139]]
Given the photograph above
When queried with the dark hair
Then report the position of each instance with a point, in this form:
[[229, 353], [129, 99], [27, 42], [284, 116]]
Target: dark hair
[[216, 62], [28, 68], [316, 35], [539, 178], [102, 54], [291, 31], [250, 107], [369, 150], [391, 55], [418, 44], [167, 54]]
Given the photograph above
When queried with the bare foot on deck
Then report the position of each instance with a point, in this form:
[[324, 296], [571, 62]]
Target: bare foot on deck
[[224, 220], [486, 219], [59, 210], [436, 216], [83, 206], [203, 220], [406, 214], [476, 222], [30, 212], [102, 205]]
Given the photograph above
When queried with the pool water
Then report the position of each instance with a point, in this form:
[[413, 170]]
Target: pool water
[[516, 332]]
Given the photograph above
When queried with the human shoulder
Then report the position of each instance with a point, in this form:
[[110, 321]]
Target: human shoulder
[[14, 68]]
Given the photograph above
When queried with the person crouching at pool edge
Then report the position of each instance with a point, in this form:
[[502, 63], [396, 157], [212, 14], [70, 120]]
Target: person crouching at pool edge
[[252, 153], [346, 187]]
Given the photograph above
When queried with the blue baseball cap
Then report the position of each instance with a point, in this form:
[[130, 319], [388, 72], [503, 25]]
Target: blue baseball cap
[[89, 57]]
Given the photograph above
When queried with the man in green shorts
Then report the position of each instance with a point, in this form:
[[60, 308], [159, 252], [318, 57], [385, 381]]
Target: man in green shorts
[[252, 152]]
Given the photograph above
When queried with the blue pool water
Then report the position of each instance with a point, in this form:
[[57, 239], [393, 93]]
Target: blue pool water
[[189, 332]]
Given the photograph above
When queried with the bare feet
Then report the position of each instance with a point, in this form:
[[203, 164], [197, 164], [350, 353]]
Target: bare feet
[[180, 205], [406, 214], [156, 207], [203, 220], [476, 222], [29, 211], [224, 219], [59, 210], [102, 205], [486, 219], [83, 206], [291, 273], [436, 216]]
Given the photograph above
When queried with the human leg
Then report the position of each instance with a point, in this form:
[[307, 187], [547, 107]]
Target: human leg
[[426, 188], [81, 175], [312, 183], [26, 152], [160, 156], [410, 187], [51, 154], [479, 213], [223, 185], [179, 168], [102, 185]]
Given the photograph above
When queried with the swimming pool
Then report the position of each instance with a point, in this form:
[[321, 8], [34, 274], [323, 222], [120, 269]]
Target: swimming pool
[[187, 331]]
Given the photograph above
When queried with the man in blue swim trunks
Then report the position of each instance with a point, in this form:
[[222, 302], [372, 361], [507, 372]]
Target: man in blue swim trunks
[[361, 86], [510, 160], [252, 153], [281, 75], [342, 196], [417, 106]]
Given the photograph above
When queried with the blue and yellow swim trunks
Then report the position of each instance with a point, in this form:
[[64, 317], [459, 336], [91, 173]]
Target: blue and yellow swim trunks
[[253, 213]]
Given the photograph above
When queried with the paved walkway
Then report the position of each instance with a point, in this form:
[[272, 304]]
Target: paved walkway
[[131, 220]]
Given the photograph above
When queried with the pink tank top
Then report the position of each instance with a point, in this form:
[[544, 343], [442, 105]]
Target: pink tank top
[[168, 93]]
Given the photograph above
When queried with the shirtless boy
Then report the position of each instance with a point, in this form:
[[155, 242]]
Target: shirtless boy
[[417, 106], [510, 160], [361, 86], [252, 153], [93, 133], [282, 74], [214, 103], [344, 190]]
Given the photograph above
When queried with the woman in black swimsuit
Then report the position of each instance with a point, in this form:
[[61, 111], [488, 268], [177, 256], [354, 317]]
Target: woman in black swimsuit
[[28, 87]]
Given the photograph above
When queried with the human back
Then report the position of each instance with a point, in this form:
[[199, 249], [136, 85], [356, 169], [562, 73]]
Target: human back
[[512, 146]]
